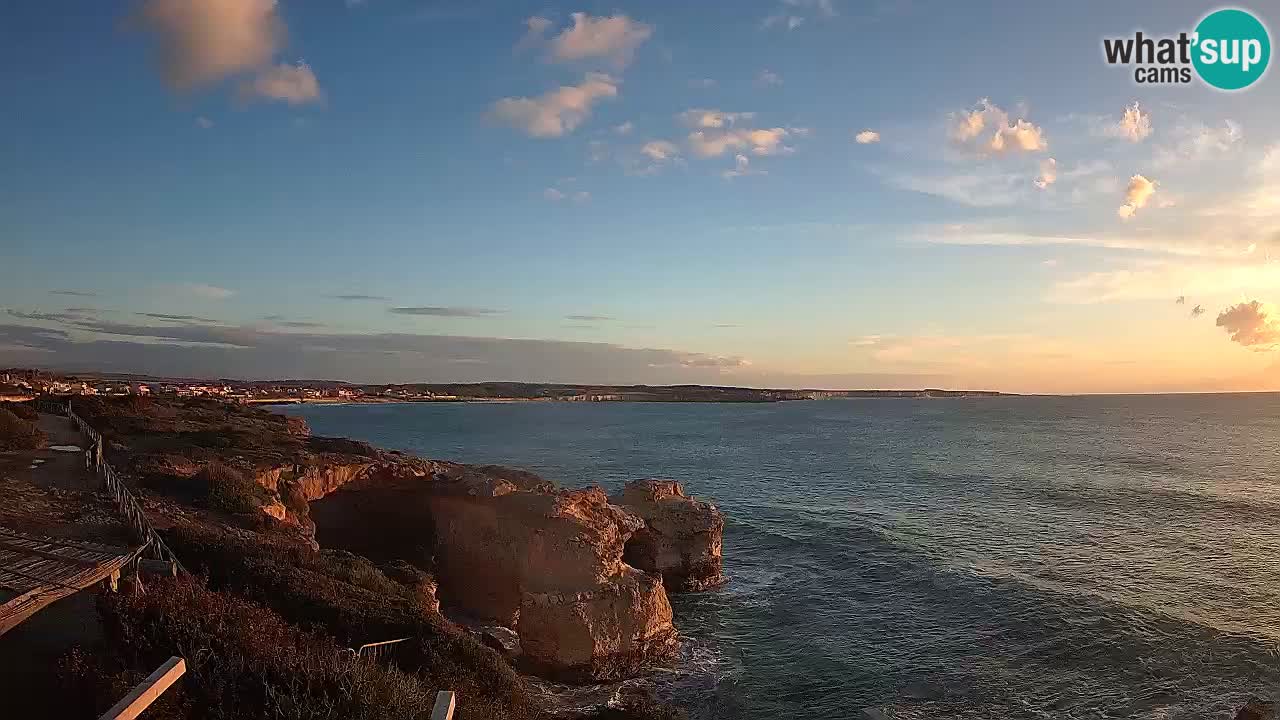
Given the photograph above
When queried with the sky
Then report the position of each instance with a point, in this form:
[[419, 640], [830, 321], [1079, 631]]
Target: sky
[[784, 193]]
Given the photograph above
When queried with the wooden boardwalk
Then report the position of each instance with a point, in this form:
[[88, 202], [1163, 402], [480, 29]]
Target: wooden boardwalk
[[37, 571]]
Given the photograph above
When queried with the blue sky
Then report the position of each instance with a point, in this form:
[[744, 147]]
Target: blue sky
[[692, 207]]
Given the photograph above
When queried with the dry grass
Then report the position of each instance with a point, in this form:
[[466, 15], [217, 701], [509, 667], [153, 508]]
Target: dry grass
[[245, 661], [230, 489], [17, 434]]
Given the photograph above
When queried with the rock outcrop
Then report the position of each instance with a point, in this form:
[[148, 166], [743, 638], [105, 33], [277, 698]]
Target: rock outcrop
[[609, 631], [507, 549], [681, 538], [1258, 709]]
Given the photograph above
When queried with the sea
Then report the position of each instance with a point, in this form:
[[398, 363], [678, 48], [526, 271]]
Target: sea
[[976, 558]]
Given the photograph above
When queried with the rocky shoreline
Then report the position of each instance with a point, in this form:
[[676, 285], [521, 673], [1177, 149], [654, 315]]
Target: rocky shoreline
[[568, 585]]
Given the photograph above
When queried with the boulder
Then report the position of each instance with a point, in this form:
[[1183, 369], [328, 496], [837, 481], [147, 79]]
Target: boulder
[[608, 632], [681, 538]]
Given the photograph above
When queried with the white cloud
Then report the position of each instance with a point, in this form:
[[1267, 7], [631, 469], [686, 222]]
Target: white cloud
[[535, 32], [768, 77], [614, 38], [1252, 324], [704, 118], [987, 129], [767, 141], [293, 84], [1195, 142], [557, 112], [791, 14], [204, 123], [556, 195], [204, 41], [741, 168], [981, 188], [1136, 196], [1134, 125], [1048, 174], [790, 22], [208, 292], [717, 132], [866, 137], [624, 128], [660, 150]]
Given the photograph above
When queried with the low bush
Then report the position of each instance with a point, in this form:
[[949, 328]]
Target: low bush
[[18, 434], [314, 590], [245, 661], [24, 411], [231, 489]]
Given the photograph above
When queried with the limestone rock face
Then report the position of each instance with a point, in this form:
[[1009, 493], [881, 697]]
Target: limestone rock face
[[681, 538], [509, 549], [607, 632], [494, 543]]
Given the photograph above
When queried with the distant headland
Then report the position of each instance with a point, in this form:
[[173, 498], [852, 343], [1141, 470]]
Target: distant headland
[[22, 382]]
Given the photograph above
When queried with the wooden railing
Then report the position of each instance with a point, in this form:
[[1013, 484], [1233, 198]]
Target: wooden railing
[[132, 512], [377, 650], [124, 499]]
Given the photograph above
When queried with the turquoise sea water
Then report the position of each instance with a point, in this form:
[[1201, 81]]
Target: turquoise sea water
[[1090, 557]]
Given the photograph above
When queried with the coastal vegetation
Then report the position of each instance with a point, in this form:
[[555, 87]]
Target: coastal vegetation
[[267, 618], [17, 433]]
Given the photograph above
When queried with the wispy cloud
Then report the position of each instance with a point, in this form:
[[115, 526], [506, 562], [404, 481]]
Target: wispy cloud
[[292, 84], [359, 298], [589, 318], [447, 311], [207, 292], [716, 132], [74, 293], [741, 168], [614, 38], [557, 112], [176, 318], [1192, 142], [791, 14]]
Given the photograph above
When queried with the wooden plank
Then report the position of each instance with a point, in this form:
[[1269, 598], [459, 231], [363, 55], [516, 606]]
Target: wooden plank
[[132, 705], [443, 709]]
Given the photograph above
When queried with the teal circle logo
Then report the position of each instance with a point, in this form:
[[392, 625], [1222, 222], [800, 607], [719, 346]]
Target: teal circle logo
[[1231, 49]]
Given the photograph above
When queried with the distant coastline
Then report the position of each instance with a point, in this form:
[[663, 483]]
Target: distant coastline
[[24, 382]]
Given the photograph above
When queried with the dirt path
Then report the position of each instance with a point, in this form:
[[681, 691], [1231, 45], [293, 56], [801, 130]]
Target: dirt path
[[49, 492]]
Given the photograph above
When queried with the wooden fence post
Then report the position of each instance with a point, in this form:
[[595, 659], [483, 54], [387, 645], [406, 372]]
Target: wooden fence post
[[141, 697], [444, 706]]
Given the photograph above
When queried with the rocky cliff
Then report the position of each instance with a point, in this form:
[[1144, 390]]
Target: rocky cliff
[[681, 538], [508, 549], [499, 548]]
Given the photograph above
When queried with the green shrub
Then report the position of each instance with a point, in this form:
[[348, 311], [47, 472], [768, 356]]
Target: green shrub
[[18, 434]]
